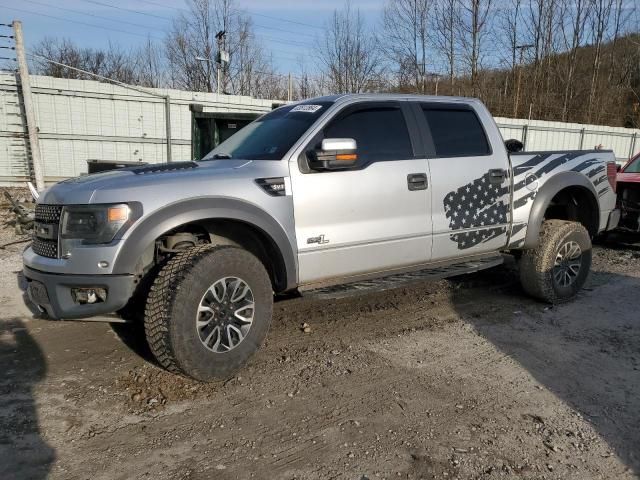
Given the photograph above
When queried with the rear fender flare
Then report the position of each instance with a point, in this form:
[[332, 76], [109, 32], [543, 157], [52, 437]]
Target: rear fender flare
[[549, 189]]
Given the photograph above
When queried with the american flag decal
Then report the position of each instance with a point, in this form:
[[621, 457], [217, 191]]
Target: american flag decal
[[475, 205]]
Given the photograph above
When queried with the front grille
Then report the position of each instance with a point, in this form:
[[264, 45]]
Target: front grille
[[46, 215], [45, 248]]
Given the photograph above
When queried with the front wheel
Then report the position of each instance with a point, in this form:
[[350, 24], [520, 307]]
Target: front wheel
[[559, 266], [208, 311]]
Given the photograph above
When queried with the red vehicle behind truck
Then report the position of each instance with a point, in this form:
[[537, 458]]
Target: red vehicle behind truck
[[628, 190]]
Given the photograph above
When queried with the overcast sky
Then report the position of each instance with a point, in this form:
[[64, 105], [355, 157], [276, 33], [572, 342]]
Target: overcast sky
[[77, 20]]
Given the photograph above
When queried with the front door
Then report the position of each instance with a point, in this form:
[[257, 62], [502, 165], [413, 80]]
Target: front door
[[470, 187], [373, 216]]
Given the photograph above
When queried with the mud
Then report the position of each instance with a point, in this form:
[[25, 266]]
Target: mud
[[466, 379]]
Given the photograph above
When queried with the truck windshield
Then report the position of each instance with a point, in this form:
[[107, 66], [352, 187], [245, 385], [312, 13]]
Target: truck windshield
[[272, 135], [633, 167]]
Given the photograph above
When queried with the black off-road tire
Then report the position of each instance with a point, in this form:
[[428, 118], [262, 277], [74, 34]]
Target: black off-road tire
[[172, 306], [537, 265]]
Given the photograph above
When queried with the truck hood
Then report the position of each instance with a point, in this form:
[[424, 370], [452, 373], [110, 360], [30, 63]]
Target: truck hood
[[134, 184], [628, 178]]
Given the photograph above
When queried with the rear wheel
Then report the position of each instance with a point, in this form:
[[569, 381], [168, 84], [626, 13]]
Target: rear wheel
[[208, 311], [559, 266]]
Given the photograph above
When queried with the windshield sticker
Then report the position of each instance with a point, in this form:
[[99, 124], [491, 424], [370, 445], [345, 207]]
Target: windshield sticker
[[306, 108]]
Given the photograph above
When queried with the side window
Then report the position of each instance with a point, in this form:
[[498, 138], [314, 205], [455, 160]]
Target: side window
[[456, 133], [380, 133]]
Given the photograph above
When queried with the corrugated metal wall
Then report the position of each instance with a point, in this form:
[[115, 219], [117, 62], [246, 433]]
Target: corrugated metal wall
[[13, 144], [542, 135], [83, 119]]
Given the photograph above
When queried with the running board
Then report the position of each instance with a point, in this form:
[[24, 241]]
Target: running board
[[436, 272]]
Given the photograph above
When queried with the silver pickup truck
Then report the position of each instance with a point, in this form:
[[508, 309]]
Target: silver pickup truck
[[331, 191]]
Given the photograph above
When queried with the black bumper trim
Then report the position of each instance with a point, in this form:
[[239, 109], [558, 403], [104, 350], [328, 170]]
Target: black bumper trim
[[60, 305]]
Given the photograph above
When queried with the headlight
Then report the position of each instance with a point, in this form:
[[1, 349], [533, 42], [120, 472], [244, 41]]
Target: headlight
[[94, 224]]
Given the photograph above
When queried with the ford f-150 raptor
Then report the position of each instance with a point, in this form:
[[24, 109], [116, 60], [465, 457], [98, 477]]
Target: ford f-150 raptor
[[330, 191]]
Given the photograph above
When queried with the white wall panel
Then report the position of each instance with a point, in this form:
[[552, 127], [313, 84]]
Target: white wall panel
[[83, 119]]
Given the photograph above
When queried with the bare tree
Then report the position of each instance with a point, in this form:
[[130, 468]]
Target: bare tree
[[113, 62], [621, 18], [445, 33], [474, 28], [574, 15], [306, 82], [405, 39], [600, 21], [192, 48], [349, 53], [540, 23], [150, 65], [508, 37]]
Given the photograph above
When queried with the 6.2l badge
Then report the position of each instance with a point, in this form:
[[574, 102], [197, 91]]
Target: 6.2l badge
[[320, 240]]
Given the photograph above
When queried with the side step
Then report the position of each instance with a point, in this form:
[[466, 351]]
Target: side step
[[435, 272]]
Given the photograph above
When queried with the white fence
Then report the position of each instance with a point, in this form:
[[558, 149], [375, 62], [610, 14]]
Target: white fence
[[542, 135], [82, 119], [79, 120]]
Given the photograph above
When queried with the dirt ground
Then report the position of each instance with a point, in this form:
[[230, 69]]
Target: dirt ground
[[465, 379]]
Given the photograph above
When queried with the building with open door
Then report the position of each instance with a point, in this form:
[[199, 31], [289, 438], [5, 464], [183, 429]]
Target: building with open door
[[84, 120]]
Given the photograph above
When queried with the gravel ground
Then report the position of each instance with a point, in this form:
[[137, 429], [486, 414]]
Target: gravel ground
[[464, 379]]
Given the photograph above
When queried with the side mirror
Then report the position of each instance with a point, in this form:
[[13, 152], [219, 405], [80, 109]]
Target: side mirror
[[618, 167], [514, 146], [334, 154]]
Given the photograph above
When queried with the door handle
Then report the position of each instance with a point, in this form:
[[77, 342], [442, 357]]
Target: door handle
[[417, 181], [497, 176]]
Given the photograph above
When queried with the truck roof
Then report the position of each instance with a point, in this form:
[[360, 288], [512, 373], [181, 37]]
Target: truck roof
[[345, 97]]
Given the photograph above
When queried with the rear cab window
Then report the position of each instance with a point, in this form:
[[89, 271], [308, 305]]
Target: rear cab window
[[456, 131]]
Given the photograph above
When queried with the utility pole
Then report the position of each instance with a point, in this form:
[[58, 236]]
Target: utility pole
[[521, 49], [25, 85], [289, 88], [222, 60]]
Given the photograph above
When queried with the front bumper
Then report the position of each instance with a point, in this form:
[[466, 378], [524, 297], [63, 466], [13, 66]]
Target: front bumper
[[52, 292]]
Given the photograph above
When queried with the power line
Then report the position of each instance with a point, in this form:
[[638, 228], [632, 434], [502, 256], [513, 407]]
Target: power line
[[284, 41], [86, 72], [88, 14], [102, 4], [274, 28], [164, 6], [270, 17], [285, 20], [93, 25]]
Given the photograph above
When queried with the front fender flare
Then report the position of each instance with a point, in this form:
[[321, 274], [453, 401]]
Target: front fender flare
[[173, 215], [549, 189]]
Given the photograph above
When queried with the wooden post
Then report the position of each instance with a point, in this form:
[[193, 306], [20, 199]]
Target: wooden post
[[25, 86]]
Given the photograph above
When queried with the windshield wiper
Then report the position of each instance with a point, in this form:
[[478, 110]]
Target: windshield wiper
[[221, 155]]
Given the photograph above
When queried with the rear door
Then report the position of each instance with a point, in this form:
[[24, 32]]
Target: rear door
[[470, 199], [371, 217]]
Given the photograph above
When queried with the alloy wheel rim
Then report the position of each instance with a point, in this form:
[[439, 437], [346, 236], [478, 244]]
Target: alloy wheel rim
[[225, 314], [567, 264]]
